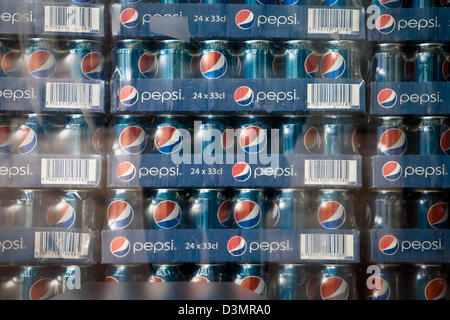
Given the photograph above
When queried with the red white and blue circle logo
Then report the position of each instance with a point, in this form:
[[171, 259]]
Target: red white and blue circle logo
[[387, 98], [446, 69], [213, 65], [331, 215], [120, 247], [148, 65], [168, 139], [92, 65], [380, 291], [199, 279], [61, 215], [43, 289], [392, 170], [436, 289], [247, 214], [311, 140], [243, 96], [241, 171], [334, 288], [437, 215], [119, 214], [385, 23], [167, 214], [224, 214], [26, 139], [5, 139], [41, 64], [445, 142], [388, 245], [391, 4], [393, 142], [237, 246], [11, 63], [129, 18], [252, 139], [253, 283], [128, 96], [244, 19], [312, 65], [133, 140], [332, 65], [125, 171]]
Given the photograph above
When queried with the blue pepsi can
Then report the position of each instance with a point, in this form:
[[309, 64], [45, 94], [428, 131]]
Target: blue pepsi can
[[37, 282], [392, 135], [429, 282], [11, 59], [6, 135], [250, 209], [74, 277], [428, 209], [130, 134], [174, 60], [167, 210], [210, 209], [86, 60], [116, 273], [134, 59], [166, 273], [213, 135], [125, 209], [300, 59], [425, 3], [334, 209], [254, 134], [216, 60], [300, 135], [294, 207], [388, 283], [429, 136], [388, 209], [257, 59], [253, 277], [340, 59], [388, 4], [169, 133], [333, 282], [209, 273], [23, 208], [293, 281], [429, 63], [340, 135], [388, 63], [42, 59], [28, 137]]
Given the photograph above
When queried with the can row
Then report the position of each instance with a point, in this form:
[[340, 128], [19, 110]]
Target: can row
[[253, 59], [40, 58], [327, 3]]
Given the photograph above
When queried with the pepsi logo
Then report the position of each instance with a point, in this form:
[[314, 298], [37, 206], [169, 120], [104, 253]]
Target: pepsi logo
[[43, 289], [244, 19], [61, 215], [392, 170], [128, 96], [312, 65], [252, 283], [41, 64], [388, 245], [241, 171], [334, 288], [387, 98], [252, 139], [445, 142], [381, 289], [213, 65], [385, 23], [119, 214], [129, 18], [273, 215], [199, 279], [167, 214], [168, 139], [125, 171], [243, 96], [5, 139], [446, 69], [224, 214], [26, 139], [332, 65], [148, 65], [237, 246], [10, 63], [436, 289], [92, 65], [133, 140], [111, 279], [393, 142], [311, 140], [156, 279], [331, 214], [120, 247], [437, 215], [247, 214], [391, 4]]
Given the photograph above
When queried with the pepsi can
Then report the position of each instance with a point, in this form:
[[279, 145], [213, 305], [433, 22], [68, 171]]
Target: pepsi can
[[216, 60], [392, 135], [168, 135], [6, 135], [387, 283], [167, 210], [86, 60], [257, 59], [130, 134], [340, 135], [341, 59], [134, 59], [300, 59], [213, 135], [428, 209], [294, 207], [9, 289], [250, 209], [388, 4], [293, 282], [125, 209], [430, 63], [22, 208], [300, 135], [74, 277], [116, 273], [210, 209], [253, 277], [428, 282], [430, 135], [28, 137], [333, 209], [42, 59], [333, 282], [387, 209], [253, 134], [37, 282], [388, 63], [209, 273], [166, 273], [174, 60], [11, 59]]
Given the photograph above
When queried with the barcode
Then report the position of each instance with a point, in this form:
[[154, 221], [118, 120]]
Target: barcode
[[335, 172], [72, 19], [326, 246], [72, 95], [68, 171], [332, 95], [342, 21], [66, 245]]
